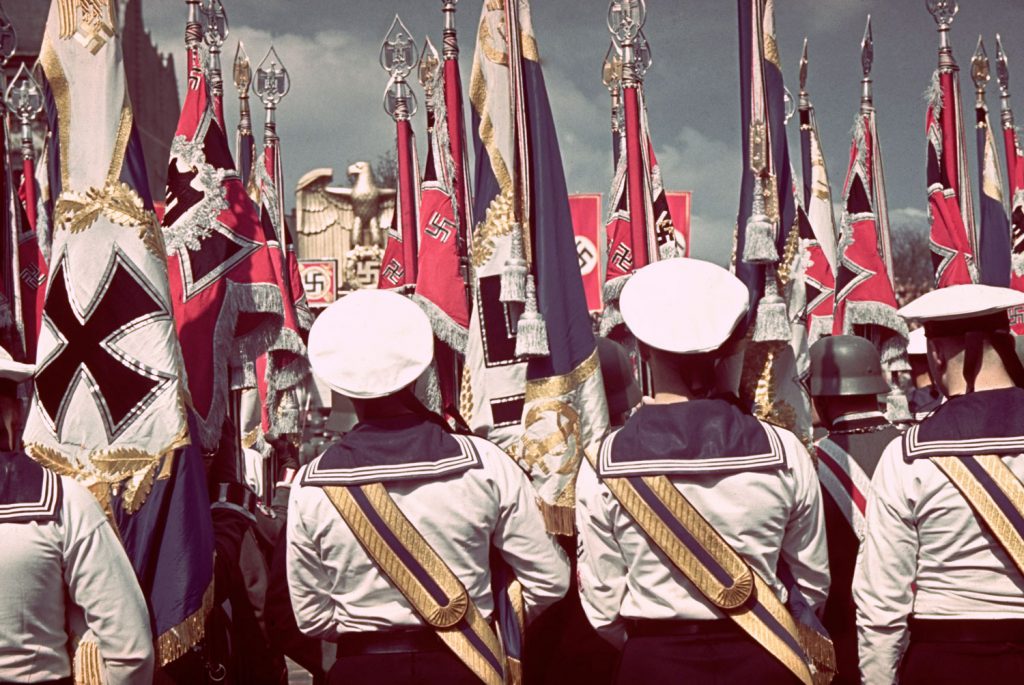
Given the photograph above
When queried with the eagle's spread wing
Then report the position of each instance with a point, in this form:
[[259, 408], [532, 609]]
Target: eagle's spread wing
[[319, 207], [386, 208]]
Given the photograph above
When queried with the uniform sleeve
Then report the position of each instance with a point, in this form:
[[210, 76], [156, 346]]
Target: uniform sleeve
[[886, 567], [101, 581], [536, 559], [602, 568], [307, 578], [804, 545]]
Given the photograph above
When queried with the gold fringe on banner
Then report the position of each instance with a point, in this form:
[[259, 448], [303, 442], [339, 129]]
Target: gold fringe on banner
[[174, 642]]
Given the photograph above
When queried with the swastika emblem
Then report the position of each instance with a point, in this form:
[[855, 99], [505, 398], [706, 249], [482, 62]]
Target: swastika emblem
[[622, 258], [319, 281], [393, 272], [587, 254], [32, 276], [440, 227]]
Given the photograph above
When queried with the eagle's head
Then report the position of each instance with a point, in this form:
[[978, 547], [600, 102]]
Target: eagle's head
[[360, 171]]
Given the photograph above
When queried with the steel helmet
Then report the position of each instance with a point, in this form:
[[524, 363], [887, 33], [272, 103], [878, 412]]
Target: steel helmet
[[846, 365]]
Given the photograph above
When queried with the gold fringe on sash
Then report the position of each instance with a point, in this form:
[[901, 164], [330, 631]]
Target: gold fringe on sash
[[174, 642], [981, 499]]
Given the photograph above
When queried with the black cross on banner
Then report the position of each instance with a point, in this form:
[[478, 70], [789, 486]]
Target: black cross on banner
[[86, 349]]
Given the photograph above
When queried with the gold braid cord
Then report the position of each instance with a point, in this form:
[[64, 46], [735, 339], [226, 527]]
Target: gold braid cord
[[748, 590], [447, 620], [982, 501]]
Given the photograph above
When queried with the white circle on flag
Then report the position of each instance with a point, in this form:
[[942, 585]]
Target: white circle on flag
[[587, 253]]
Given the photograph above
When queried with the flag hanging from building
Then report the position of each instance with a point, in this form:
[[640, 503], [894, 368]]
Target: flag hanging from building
[[528, 296], [586, 225], [109, 402], [227, 304], [950, 205]]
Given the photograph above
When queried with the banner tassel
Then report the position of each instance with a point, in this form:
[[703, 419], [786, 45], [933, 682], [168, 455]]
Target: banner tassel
[[513, 277], [772, 323], [532, 334], [759, 243]]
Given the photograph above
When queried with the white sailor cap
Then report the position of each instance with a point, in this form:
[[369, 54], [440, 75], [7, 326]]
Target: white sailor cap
[[370, 343], [918, 343], [11, 370], [683, 305], [963, 307]]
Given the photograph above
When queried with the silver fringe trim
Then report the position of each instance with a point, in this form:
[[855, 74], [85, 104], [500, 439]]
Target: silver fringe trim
[[612, 316], [445, 329], [195, 225]]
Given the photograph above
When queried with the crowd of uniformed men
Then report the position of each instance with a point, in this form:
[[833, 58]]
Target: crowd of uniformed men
[[709, 542]]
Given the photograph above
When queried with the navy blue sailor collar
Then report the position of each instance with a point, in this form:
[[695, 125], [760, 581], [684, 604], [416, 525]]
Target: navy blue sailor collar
[[28, 492], [982, 422], [401, 448], [694, 437]]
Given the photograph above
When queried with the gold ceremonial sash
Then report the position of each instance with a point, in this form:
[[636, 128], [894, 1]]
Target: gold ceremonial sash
[[995, 493], [721, 574], [421, 575]]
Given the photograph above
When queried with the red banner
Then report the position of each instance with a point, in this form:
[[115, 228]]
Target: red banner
[[586, 225], [679, 209]]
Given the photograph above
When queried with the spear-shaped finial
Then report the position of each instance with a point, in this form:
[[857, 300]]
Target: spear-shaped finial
[[242, 77], [943, 12], [626, 19], [450, 40], [805, 100], [867, 59], [611, 77], [272, 83], [1003, 74], [398, 57], [980, 71], [428, 71], [24, 99]]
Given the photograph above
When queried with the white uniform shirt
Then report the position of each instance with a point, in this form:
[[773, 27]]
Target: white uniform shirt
[[77, 559], [763, 515], [336, 587], [921, 530]]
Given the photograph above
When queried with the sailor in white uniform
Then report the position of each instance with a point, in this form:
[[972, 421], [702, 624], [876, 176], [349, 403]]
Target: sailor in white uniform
[[940, 597], [464, 496], [753, 482], [60, 558]]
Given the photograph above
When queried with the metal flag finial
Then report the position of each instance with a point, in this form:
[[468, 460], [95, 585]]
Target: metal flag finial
[[626, 19], [1002, 69], [428, 70], [449, 40], [980, 69], [242, 71], [272, 82], [24, 99], [867, 49], [803, 72], [398, 57], [611, 69], [216, 23], [943, 12], [8, 38]]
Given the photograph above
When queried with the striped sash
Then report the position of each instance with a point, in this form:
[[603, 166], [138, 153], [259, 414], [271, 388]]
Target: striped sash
[[421, 575], [995, 493], [845, 481], [721, 574]]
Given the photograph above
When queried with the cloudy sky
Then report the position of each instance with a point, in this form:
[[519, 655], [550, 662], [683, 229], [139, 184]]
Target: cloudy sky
[[333, 114]]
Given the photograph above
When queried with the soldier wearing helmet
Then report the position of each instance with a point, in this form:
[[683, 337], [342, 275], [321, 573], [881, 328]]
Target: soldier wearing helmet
[[846, 383]]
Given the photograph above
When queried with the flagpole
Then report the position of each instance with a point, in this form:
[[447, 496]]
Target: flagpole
[[398, 57], [611, 77], [10, 267], [242, 77], [457, 139], [625, 20], [1006, 111], [215, 35]]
